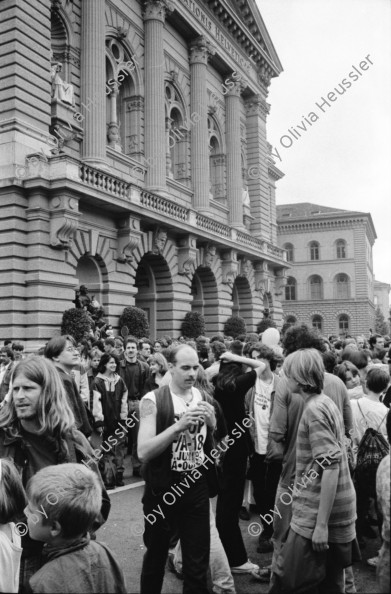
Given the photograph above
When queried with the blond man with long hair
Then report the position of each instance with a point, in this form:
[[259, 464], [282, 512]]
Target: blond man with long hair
[[37, 429]]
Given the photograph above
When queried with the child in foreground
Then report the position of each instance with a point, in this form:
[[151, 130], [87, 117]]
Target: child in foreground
[[71, 498], [12, 502]]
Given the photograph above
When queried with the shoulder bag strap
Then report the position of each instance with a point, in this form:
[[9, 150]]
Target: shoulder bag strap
[[362, 414], [381, 422]]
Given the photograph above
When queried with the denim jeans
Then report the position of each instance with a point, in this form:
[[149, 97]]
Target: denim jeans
[[222, 579], [134, 406], [189, 513]]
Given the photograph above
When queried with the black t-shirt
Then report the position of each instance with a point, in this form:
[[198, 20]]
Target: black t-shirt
[[232, 404]]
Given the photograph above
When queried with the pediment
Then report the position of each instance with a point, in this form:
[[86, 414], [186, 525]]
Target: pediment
[[248, 13]]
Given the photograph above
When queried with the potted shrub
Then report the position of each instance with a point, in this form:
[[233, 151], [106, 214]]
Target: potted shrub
[[77, 323], [136, 321], [193, 325], [234, 326]]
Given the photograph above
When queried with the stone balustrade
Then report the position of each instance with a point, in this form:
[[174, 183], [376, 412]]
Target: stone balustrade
[[105, 182]]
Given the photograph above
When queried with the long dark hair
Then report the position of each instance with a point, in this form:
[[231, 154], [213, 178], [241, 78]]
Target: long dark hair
[[227, 376]]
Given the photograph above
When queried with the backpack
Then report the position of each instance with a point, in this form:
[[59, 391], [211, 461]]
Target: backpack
[[372, 448]]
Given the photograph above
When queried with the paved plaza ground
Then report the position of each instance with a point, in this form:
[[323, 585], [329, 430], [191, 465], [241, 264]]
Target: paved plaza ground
[[123, 533]]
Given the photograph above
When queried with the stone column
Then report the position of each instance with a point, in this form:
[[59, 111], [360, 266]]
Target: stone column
[[113, 127], [155, 125], [257, 160], [200, 50], [234, 163], [93, 78]]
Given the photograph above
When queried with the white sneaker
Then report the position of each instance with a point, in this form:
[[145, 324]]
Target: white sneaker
[[247, 567], [373, 562]]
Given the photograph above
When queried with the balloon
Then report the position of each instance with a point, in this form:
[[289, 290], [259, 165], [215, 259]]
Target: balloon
[[271, 337]]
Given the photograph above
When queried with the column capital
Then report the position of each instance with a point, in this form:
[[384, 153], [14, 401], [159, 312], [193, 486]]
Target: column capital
[[257, 105], [201, 50], [115, 89], [265, 74], [237, 89], [156, 10]]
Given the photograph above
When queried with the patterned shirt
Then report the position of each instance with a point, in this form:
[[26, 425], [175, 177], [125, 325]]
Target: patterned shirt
[[320, 444]]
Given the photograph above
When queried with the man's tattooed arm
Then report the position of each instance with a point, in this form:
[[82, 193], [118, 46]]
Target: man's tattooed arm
[[147, 408]]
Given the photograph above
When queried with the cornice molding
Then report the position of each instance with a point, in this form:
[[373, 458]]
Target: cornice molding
[[274, 172], [248, 36], [300, 226]]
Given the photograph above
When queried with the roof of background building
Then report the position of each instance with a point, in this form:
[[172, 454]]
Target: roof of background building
[[380, 285], [307, 210]]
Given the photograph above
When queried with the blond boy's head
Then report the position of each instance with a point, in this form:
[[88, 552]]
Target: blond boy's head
[[66, 496]]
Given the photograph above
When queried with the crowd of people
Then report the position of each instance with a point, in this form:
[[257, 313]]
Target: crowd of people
[[300, 421]]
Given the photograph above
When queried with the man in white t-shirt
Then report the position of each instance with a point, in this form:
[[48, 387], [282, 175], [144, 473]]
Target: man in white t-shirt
[[368, 412], [174, 422], [264, 472]]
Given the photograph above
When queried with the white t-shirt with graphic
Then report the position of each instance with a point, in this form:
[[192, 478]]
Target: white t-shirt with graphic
[[188, 447], [262, 402]]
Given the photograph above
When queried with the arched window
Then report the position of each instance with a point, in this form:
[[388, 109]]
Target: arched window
[[316, 287], [177, 128], [314, 250], [341, 249], [60, 44], [290, 289], [216, 161], [291, 320], [317, 322], [289, 251], [342, 286], [123, 106], [343, 323]]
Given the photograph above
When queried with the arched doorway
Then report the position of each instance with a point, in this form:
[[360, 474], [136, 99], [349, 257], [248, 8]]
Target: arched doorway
[[89, 273], [205, 298], [242, 302], [155, 293]]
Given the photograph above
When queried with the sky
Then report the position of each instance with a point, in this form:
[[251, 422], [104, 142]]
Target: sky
[[343, 158]]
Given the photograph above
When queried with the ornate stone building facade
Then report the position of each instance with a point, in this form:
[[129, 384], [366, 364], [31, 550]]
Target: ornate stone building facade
[[330, 284], [134, 160]]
